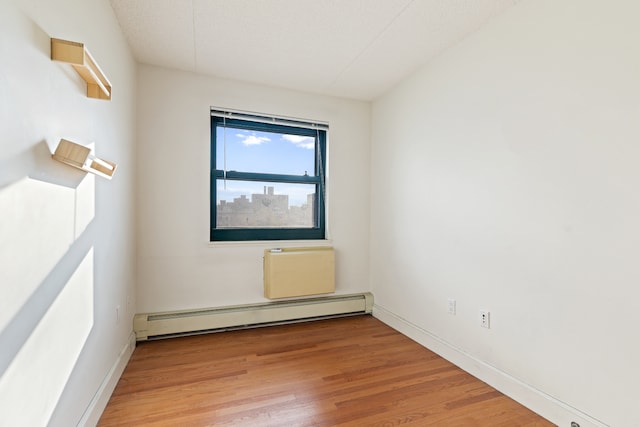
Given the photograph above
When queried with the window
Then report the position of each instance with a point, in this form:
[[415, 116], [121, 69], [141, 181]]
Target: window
[[267, 178]]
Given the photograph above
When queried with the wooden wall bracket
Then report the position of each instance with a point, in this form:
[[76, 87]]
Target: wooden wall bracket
[[80, 157], [78, 56]]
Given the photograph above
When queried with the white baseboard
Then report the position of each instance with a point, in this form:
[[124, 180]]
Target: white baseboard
[[101, 398], [547, 406]]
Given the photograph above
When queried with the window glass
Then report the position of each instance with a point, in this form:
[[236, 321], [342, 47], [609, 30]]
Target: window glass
[[265, 152], [253, 204], [267, 180]]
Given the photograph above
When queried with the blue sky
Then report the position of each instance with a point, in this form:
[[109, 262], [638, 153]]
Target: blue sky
[[265, 152]]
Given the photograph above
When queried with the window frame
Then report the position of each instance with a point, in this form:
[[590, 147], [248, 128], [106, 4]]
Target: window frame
[[267, 124]]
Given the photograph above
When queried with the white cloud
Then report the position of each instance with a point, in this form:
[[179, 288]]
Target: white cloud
[[252, 139], [301, 141], [296, 139]]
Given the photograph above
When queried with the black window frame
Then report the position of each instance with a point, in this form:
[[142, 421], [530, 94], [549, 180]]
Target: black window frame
[[318, 231]]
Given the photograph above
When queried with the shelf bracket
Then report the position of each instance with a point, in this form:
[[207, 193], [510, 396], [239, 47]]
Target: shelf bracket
[[78, 56], [82, 158]]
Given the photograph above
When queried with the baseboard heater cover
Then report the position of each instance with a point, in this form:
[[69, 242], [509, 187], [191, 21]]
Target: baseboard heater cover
[[176, 323]]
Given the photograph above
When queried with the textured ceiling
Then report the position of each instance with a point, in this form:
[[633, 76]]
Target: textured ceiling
[[349, 48]]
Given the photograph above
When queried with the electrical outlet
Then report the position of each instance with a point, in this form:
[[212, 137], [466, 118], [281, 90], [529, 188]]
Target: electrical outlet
[[117, 314], [451, 306], [484, 319]]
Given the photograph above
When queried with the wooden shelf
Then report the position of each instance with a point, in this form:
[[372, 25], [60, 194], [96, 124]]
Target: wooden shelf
[[80, 157], [78, 56]]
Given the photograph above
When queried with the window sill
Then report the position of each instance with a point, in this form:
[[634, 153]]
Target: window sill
[[270, 243]]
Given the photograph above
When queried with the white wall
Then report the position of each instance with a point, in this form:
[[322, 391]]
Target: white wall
[[505, 175], [66, 238], [178, 267]]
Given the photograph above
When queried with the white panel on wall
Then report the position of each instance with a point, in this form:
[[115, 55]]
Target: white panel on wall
[[509, 186], [56, 341], [177, 266], [66, 241]]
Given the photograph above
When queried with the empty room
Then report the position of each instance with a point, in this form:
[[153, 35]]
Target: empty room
[[319, 212]]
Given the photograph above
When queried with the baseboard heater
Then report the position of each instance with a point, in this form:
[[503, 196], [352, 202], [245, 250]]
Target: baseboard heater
[[177, 323]]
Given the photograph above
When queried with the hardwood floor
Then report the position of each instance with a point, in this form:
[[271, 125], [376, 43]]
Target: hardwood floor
[[352, 371]]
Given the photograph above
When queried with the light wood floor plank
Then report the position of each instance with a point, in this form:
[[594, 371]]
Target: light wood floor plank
[[342, 372]]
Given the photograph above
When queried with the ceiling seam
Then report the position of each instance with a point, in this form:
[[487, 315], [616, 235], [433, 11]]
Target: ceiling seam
[[368, 46]]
